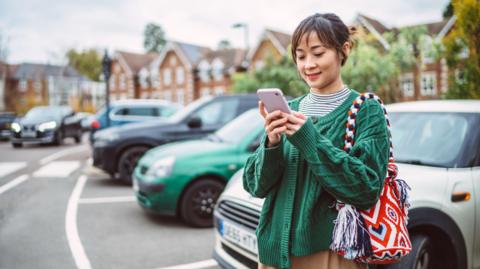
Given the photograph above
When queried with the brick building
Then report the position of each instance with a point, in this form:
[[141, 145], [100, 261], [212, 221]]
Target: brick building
[[272, 44]]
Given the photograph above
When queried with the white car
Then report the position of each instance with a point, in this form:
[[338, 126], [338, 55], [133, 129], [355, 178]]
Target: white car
[[437, 150]]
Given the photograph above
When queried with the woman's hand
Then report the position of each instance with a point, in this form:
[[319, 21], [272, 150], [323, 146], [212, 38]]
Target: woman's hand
[[274, 124], [295, 121]]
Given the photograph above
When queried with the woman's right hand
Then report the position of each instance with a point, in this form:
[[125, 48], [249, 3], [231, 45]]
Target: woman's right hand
[[275, 124]]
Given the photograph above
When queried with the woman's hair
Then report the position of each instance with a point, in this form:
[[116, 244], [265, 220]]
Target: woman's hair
[[331, 31]]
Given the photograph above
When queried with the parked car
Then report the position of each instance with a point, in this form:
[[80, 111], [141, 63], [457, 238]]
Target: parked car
[[129, 111], [437, 149], [116, 150], [186, 178], [6, 119], [46, 124]]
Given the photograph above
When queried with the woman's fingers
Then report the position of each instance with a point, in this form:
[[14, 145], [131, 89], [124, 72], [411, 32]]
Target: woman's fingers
[[276, 124], [292, 118], [261, 108]]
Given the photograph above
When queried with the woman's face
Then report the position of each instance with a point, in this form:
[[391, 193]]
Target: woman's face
[[319, 66]]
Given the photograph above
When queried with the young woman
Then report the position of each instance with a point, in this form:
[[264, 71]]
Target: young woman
[[301, 168]]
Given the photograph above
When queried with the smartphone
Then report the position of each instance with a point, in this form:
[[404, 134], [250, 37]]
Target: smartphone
[[273, 99]]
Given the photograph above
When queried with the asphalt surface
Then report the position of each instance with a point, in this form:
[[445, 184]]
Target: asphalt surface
[[57, 211]]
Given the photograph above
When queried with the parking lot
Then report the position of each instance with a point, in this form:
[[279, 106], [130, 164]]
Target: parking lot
[[57, 211]]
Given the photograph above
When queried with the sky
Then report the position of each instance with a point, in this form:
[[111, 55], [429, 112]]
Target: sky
[[39, 31]]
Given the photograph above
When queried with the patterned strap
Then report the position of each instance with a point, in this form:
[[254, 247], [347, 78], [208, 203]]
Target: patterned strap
[[352, 117]]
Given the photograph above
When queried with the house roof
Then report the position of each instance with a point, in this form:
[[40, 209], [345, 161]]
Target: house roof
[[229, 57], [193, 53], [282, 38], [41, 71], [377, 25], [135, 61]]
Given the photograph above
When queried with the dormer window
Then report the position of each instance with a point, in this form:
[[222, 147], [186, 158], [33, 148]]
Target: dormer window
[[217, 71]]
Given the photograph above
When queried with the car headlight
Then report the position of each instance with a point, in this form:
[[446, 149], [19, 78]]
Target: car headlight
[[47, 126], [107, 137], [162, 167], [16, 127]]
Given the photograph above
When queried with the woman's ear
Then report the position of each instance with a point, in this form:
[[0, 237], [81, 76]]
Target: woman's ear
[[346, 48]]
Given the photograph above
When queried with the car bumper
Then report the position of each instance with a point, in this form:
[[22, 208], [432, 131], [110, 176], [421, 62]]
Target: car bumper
[[229, 257], [38, 138], [104, 158], [5, 134]]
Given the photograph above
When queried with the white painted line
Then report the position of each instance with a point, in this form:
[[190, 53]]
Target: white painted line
[[10, 167], [57, 169], [100, 200], [81, 259], [62, 153], [195, 265], [13, 183]]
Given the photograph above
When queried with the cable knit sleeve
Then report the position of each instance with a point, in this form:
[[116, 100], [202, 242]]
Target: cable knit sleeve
[[357, 177], [263, 169]]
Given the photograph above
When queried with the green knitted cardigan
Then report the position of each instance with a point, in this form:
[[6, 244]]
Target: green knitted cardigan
[[303, 176]]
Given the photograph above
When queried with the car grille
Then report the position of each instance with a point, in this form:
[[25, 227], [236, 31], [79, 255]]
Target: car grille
[[28, 128], [240, 214], [237, 256]]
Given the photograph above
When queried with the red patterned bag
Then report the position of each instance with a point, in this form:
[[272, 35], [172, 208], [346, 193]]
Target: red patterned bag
[[378, 235]]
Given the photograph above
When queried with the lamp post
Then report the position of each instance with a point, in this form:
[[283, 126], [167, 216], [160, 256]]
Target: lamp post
[[107, 65]]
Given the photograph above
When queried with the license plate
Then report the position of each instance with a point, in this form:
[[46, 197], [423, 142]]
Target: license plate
[[239, 236], [29, 134]]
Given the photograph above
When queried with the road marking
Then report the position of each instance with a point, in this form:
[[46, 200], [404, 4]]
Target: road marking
[[195, 265], [76, 247], [100, 200], [10, 167], [13, 183], [62, 153], [57, 169]]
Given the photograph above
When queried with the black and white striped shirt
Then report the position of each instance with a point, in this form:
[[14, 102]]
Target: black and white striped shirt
[[319, 105]]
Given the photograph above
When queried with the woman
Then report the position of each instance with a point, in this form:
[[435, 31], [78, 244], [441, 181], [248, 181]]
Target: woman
[[301, 168]]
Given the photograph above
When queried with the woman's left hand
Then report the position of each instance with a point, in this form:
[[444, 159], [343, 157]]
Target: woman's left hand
[[295, 122]]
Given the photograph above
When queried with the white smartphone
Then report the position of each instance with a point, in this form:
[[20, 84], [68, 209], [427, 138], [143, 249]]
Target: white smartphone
[[273, 99]]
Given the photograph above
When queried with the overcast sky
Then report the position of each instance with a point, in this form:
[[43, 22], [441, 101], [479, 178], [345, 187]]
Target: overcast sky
[[41, 31]]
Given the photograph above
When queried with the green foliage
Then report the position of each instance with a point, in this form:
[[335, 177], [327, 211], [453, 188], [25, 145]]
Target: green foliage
[[86, 62], [154, 38], [464, 40], [281, 75]]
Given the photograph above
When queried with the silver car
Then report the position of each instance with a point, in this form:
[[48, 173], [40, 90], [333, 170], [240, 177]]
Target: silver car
[[437, 149]]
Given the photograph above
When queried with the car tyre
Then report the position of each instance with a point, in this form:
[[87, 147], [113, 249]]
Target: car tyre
[[198, 201], [17, 145], [422, 255], [78, 137], [128, 161], [58, 140]]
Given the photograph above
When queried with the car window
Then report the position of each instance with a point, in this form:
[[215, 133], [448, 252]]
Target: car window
[[137, 111], [236, 130], [166, 111], [218, 112], [435, 139]]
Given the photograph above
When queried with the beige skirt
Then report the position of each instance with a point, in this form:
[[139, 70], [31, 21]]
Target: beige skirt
[[320, 260]]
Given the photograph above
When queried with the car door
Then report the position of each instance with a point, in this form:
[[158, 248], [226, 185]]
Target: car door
[[70, 123]]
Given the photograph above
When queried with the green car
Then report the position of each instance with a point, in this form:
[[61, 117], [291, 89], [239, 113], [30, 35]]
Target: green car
[[186, 178]]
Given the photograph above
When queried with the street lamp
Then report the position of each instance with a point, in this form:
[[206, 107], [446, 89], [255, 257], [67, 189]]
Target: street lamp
[[245, 28], [107, 66]]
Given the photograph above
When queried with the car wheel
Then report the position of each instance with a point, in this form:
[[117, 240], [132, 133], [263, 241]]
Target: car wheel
[[422, 255], [128, 161], [17, 145], [78, 137], [196, 207], [58, 140]]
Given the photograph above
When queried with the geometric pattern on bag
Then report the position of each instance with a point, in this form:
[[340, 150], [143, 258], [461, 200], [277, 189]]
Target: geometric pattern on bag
[[378, 235]]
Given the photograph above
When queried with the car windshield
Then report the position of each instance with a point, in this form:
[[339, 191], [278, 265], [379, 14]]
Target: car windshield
[[182, 113], [240, 127], [434, 139], [44, 113]]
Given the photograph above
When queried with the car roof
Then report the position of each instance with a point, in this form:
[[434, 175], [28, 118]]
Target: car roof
[[459, 106], [143, 102]]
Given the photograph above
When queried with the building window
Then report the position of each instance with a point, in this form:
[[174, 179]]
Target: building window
[[428, 84], [180, 75], [167, 76], [259, 65], [217, 69], [203, 71], [123, 81], [37, 85], [112, 82], [167, 95], [180, 96], [154, 78], [406, 85], [144, 79], [23, 85]]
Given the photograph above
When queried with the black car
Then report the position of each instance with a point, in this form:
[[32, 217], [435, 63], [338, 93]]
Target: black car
[[6, 119], [46, 124], [116, 150]]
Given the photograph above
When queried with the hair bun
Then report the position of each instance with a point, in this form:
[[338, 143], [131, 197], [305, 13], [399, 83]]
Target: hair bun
[[352, 30]]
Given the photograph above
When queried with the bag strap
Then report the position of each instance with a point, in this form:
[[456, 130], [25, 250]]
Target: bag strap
[[351, 124]]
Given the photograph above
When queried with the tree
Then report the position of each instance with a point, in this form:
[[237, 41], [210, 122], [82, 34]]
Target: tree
[[224, 44], [154, 38], [448, 11], [86, 62], [462, 51], [282, 74]]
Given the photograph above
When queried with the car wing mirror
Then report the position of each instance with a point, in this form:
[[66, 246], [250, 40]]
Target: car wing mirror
[[194, 122]]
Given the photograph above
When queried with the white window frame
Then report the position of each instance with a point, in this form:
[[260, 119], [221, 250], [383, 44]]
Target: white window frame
[[428, 84], [217, 69], [123, 81], [144, 78], [112, 82], [37, 85], [218, 91], [154, 78], [23, 85], [203, 71], [167, 76], [180, 75], [407, 84]]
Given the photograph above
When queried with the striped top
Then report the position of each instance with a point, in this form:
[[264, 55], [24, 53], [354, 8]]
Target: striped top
[[319, 105]]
